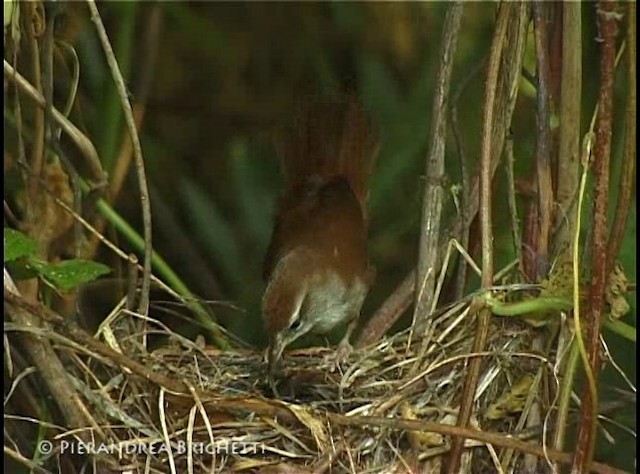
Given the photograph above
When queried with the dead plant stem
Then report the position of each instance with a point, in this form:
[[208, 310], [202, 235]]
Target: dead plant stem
[[143, 304], [607, 29], [568, 175], [628, 173], [543, 139], [452, 464], [432, 199]]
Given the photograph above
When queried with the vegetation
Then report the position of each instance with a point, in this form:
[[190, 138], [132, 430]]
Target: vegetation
[[140, 190]]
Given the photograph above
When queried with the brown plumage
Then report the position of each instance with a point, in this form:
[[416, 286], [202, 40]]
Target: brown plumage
[[316, 266]]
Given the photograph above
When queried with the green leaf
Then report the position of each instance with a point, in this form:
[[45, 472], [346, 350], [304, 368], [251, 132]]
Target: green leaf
[[17, 245], [70, 274]]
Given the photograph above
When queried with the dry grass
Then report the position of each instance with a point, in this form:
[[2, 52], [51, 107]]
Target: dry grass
[[230, 411]]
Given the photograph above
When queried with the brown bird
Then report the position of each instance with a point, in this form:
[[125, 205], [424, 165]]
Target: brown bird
[[316, 267]]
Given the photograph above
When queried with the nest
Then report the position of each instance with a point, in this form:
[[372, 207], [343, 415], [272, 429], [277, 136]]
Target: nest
[[189, 408]]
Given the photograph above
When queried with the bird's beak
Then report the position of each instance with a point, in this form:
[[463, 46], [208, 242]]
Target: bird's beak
[[275, 353], [281, 341]]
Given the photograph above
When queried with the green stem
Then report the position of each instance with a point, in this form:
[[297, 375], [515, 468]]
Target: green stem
[[622, 329], [158, 263], [162, 268], [531, 307], [566, 387]]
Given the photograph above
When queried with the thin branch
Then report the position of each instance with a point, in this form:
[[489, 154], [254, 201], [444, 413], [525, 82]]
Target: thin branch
[[432, 199], [607, 29], [178, 288], [79, 336], [28, 463], [143, 305], [452, 464], [567, 183], [46, 360], [508, 85], [98, 176], [275, 408], [483, 436], [400, 300], [146, 68], [389, 312]]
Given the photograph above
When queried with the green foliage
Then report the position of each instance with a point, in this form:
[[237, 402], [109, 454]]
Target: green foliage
[[218, 86], [65, 276], [17, 245], [69, 274]]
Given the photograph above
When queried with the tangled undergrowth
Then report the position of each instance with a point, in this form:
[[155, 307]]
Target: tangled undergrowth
[[390, 407]]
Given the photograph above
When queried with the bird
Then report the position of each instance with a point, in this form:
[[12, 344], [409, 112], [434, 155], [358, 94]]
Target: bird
[[316, 268]]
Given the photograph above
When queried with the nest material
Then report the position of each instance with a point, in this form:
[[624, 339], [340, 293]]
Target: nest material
[[231, 420]]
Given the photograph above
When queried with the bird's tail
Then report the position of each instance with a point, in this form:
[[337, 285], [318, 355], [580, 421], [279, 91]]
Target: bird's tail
[[330, 138]]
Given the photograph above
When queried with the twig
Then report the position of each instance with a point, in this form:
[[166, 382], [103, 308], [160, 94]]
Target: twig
[[569, 367], [452, 464], [389, 312], [75, 80], [577, 346], [143, 305], [28, 463], [607, 29], [506, 102], [432, 199], [450, 430], [46, 360], [399, 301], [178, 288], [512, 63], [272, 408], [123, 160], [22, 156], [577, 329], [48, 72], [146, 68], [509, 86], [98, 177], [81, 337]]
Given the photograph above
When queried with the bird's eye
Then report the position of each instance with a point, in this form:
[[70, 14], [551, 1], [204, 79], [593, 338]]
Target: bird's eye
[[295, 325]]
